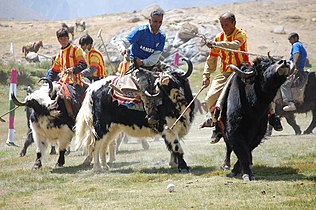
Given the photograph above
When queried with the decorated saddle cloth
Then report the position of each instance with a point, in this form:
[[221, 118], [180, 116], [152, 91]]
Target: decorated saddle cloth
[[71, 97], [125, 92]]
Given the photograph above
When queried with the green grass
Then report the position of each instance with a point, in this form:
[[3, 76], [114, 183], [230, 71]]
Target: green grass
[[284, 166]]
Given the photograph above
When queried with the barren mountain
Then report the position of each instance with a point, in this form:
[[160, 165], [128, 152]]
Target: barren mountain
[[267, 24]]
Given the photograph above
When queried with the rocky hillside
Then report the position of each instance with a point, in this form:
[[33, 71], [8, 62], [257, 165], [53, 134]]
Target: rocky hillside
[[267, 24]]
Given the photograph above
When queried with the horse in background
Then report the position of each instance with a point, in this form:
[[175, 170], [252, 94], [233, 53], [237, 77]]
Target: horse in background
[[70, 29], [32, 47], [81, 24]]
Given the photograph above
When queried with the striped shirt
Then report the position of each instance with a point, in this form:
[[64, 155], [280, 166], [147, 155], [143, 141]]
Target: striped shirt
[[67, 58], [95, 61], [228, 57]]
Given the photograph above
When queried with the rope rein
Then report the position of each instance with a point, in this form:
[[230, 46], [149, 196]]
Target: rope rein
[[204, 42]]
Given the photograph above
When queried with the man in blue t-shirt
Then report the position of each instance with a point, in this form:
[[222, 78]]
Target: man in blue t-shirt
[[298, 59], [144, 46]]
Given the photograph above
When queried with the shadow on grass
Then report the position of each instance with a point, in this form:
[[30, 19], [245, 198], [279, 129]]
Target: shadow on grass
[[260, 172], [279, 174], [119, 168], [129, 151], [72, 169]]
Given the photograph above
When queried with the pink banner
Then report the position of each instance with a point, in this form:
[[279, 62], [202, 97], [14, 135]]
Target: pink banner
[[176, 59], [13, 76]]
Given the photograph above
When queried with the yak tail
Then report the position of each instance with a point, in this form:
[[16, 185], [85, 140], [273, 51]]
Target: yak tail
[[23, 48], [85, 132]]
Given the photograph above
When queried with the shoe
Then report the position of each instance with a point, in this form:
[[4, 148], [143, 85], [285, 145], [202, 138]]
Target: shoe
[[217, 135], [207, 123], [290, 107], [152, 119], [275, 122], [11, 144]]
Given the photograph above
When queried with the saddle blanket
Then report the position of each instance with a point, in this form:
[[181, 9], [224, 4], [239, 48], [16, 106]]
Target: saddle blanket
[[128, 98]]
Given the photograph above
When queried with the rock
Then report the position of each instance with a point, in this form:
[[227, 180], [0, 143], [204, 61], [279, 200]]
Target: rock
[[187, 31], [146, 12], [32, 57], [133, 19], [278, 29]]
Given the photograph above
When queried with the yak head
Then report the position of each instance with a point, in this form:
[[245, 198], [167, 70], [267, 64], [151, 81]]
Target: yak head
[[42, 101], [174, 87], [266, 71], [174, 83]]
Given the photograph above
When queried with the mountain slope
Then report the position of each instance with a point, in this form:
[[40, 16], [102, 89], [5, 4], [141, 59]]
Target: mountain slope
[[15, 9]]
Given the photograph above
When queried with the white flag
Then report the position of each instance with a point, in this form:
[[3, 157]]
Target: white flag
[[11, 49]]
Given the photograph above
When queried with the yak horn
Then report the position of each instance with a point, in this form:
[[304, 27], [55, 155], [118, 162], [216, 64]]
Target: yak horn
[[190, 68], [151, 95], [241, 73], [16, 102], [50, 84]]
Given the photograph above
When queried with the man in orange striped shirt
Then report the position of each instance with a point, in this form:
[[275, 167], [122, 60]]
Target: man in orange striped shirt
[[235, 39], [232, 38], [68, 63], [96, 66]]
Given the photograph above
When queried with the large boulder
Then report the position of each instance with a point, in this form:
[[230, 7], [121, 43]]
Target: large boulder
[[146, 12], [187, 31], [32, 57]]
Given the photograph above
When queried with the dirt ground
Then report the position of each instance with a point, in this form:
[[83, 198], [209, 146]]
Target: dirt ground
[[259, 18]]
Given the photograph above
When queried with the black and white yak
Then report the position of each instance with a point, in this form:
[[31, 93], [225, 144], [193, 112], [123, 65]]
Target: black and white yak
[[101, 119], [244, 115], [50, 121]]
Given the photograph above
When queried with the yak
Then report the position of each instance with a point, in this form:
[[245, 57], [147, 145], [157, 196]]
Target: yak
[[306, 105], [29, 136], [244, 115], [101, 118], [50, 121]]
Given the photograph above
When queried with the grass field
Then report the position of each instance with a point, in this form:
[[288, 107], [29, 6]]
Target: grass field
[[284, 165]]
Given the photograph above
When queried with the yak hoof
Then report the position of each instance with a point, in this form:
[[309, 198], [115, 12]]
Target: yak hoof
[[67, 152], [145, 145], [225, 167], [232, 174], [37, 164], [105, 167], [307, 132], [22, 153], [246, 177], [184, 170], [98, 170], [53, 151], [58, 165], [87, 161]]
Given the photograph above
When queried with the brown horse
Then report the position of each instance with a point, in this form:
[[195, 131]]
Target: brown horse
[[70, 29], [32, 47]]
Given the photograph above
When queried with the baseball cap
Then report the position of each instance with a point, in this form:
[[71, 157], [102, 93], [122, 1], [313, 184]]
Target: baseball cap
[[292, 35]]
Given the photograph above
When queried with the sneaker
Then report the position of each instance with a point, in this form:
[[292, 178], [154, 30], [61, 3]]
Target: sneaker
[[216, 136], [11, 144], [290, 107], [275, 122], [207, 123]]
